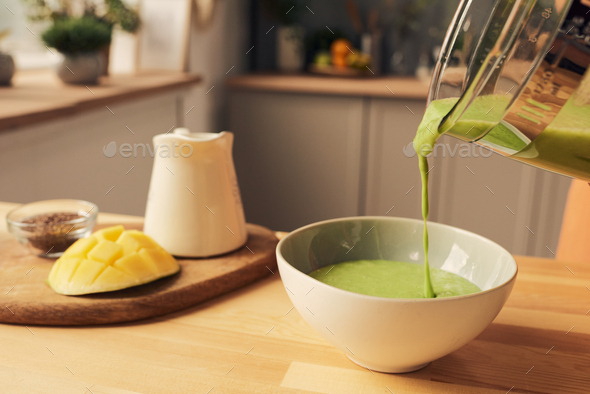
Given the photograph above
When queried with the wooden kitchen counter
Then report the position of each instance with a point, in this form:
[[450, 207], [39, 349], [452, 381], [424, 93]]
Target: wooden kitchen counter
[[252, 340], [384, 87], [37, 96]]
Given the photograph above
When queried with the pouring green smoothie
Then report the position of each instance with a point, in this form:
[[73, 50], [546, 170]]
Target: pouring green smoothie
[[396, 279], [478, 118], [517, 82], [566, 141]]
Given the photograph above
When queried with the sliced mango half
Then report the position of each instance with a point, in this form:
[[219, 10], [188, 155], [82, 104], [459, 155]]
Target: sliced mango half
[[110, 259]]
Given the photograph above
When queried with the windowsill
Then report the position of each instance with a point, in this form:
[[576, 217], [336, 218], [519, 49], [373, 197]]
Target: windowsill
[[37, 96]]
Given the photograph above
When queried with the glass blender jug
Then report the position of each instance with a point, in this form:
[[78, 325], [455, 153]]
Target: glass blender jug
[[516, 71]]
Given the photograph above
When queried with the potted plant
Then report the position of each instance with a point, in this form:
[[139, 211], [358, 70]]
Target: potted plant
[[112, 13], [290, 35], [6, 63], [80, 40]]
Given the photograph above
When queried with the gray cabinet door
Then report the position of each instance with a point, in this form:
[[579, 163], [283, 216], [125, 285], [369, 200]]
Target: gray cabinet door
[[518, 206], [515, 205], [487, 194], [297, 156], [64, 158], [392, 177]]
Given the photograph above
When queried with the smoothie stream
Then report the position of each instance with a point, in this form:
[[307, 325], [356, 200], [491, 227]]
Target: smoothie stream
[[477, 119], [396, 279], [565, 143], [426, 137]]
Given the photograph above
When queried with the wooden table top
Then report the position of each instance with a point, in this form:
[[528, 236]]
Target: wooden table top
[[252, 340], [39, 95], [382, 87]]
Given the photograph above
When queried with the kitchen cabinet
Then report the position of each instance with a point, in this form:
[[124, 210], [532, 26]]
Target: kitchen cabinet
[[392, 181], [516, 205], [67, 141], [304, 157], [297, 156], [64, 158]]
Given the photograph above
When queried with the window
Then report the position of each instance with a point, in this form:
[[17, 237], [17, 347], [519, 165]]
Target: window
[[24, 39]]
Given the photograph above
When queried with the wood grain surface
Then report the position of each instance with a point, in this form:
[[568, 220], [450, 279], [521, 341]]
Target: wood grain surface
[[384, 87], [253, 341], [34, 302]]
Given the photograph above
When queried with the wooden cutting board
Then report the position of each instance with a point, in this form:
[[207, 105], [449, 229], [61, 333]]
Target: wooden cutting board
[[25, 298]]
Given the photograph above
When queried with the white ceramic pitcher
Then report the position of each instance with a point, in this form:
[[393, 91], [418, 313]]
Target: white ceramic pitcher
[[194, 207]]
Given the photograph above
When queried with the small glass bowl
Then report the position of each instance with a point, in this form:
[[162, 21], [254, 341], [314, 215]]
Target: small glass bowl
[[49, 236]]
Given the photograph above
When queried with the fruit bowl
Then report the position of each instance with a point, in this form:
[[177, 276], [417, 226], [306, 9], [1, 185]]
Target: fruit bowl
[[388, 334]]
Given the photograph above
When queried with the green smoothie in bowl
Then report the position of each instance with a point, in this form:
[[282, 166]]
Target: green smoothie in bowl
[[391, 279], [359, 282]]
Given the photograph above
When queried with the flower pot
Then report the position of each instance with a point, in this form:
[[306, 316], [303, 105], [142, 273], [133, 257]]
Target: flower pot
[[6, 68], [290, 54], [82, 68]]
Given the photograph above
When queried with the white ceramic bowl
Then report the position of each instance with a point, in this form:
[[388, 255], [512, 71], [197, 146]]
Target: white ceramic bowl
[[388, 334]]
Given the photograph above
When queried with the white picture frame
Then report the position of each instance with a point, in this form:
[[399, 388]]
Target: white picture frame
[[164, 35]]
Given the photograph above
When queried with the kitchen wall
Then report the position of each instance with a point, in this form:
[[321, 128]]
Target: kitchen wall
[[64, 158], [26, 48], [36, 162], [216, 51], [213, 50]]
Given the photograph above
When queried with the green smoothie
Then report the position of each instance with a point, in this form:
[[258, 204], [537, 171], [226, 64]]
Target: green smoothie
[[479, 117], [391, 279], [406, 280], [426, 136], [564, 145]]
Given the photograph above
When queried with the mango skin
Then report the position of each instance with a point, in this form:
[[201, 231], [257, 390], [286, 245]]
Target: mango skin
[[110, 259]]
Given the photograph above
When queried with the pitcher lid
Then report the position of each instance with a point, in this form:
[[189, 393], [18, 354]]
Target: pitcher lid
[[197, 136]]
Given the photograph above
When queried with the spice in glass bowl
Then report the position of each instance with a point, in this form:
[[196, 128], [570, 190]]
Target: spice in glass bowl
[[48, 228], [50, 231]]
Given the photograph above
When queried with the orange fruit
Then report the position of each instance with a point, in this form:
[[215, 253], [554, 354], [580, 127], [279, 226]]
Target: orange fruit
[[339, 61], [340, 47]]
